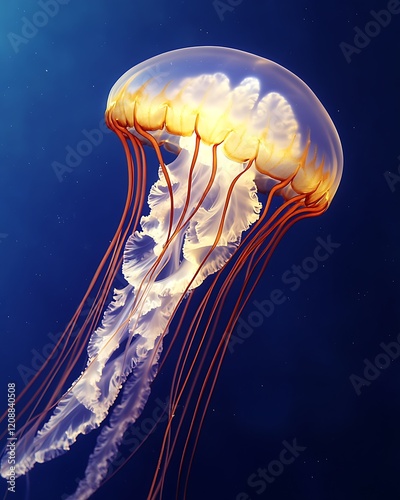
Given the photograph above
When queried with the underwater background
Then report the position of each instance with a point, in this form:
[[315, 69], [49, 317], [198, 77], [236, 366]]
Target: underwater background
[[313, 377]]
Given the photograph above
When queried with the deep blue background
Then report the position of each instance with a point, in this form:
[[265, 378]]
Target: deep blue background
[[290, 379]]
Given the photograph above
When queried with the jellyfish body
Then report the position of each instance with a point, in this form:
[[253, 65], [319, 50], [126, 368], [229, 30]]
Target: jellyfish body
[[244, 131]]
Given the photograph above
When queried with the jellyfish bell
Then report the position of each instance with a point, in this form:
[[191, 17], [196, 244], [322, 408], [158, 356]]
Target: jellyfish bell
[[252, 107], [244, 132]]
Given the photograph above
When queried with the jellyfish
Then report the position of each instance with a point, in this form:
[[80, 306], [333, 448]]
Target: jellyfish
[[253, 151]]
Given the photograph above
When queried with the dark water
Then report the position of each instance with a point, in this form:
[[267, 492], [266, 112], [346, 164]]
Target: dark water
[[290, 382]]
